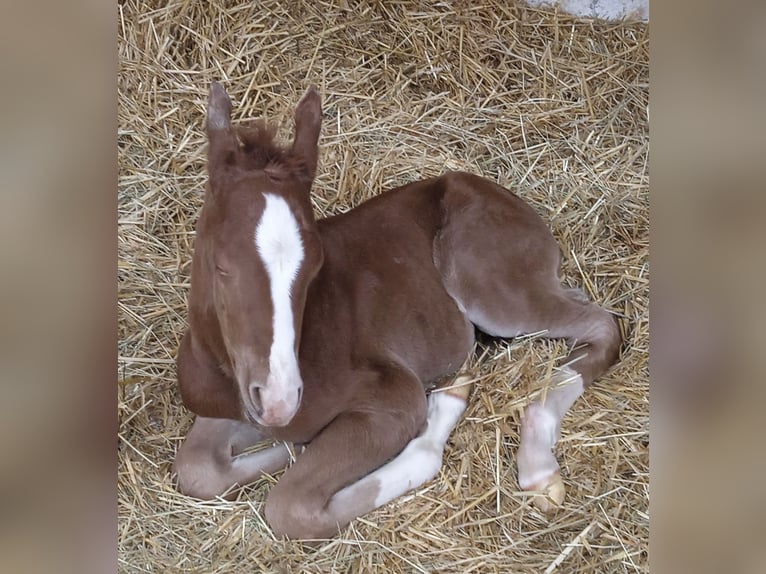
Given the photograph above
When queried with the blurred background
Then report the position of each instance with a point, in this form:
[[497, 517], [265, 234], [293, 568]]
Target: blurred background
[[58, 292]]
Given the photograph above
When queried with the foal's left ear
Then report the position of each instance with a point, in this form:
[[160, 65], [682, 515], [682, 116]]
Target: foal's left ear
[[308, 120]]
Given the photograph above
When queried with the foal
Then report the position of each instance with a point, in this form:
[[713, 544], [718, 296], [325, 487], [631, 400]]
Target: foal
[[328, 332]]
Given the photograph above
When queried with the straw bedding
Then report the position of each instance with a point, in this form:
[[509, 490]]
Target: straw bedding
[[550, 106]]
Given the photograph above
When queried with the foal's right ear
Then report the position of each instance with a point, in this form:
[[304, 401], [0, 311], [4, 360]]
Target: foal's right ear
[[223, 144], [218, 109], [308, 121]]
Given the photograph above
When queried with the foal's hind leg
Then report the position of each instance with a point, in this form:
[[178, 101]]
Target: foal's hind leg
[[595, 338], [593, 333], [511, 286], [540, 428], [210, 461]]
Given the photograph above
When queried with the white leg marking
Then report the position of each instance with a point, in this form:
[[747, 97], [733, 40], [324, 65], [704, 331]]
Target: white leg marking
[[278, 241], [247, 467], [536, 461], [538, 468], [418, 463]]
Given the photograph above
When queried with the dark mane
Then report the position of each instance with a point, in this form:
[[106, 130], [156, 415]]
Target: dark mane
[[261, 151]]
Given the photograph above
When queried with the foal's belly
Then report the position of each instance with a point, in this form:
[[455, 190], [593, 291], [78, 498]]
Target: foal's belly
[[414, 319], [432, 338]]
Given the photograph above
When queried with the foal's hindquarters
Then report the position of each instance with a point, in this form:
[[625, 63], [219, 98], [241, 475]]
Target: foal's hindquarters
[[498, 263], [501, 264]]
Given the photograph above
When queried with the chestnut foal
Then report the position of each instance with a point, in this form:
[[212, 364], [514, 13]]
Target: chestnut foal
[[329, 332]]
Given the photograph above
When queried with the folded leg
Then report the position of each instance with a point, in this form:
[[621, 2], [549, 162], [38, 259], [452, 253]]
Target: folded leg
[[418, 463], [210, 462], [363, 460]]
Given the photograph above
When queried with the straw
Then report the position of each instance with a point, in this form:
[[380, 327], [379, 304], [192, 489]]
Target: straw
[[552, 107]]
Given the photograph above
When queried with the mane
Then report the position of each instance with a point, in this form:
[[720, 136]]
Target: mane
[[262, 152]]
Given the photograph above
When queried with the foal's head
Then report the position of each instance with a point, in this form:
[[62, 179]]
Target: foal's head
[[257, 249]]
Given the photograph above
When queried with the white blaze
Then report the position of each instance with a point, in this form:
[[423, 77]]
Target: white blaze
[[278, 241]]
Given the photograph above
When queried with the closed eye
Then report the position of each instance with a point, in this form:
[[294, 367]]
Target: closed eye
[[221, 271]]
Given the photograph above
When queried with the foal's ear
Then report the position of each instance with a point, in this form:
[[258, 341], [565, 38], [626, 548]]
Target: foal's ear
[[218, 109], [223, 143], [308, 120]]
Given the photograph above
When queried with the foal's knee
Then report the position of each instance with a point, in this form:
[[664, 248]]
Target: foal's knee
[[198, 473], [293, 516]]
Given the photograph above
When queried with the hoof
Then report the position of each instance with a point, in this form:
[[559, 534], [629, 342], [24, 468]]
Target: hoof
[[549, 494], [461, 386]]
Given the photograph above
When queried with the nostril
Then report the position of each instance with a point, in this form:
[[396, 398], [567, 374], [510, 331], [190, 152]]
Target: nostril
[[300, 395], [255, 398]]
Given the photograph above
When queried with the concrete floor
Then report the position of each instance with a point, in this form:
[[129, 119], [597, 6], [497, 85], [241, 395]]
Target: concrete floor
[[602, 9]]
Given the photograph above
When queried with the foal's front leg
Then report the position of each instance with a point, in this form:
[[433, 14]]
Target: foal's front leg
[[340, 477], [210, 461], [418, 463]]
